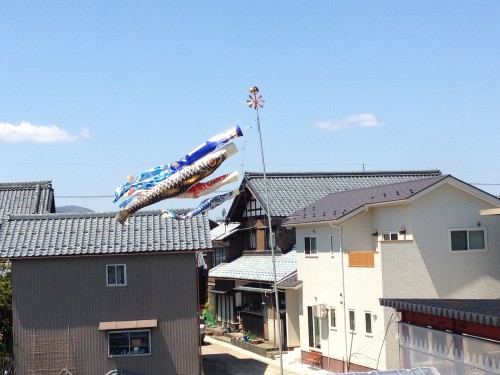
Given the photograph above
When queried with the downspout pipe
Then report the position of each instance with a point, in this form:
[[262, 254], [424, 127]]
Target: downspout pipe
[[343, 299], [341, 249]]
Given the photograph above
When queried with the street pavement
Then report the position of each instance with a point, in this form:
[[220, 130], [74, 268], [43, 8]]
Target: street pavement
[[220, 358]]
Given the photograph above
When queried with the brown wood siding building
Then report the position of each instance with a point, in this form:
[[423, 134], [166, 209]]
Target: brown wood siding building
[[73, 298], [91, 295]]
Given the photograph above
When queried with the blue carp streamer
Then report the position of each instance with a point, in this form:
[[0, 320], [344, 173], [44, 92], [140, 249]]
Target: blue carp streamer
[[151, 177], [206, 205], [179, 182]]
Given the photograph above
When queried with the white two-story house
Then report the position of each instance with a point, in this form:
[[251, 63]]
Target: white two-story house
[[418, 239]]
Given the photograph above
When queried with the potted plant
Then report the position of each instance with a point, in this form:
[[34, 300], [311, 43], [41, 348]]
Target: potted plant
[[254, 339]]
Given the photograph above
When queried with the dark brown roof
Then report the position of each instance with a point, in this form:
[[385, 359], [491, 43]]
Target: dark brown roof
[[337, 205]]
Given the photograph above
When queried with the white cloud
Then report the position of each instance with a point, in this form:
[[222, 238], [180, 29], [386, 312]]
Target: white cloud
[[26, 132], [362, 119], [84, 132]]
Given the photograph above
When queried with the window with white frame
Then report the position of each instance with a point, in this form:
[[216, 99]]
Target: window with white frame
[[116, 275], [390, 236], [468, 239], [368, 323], [352, 321], [310, 245], [314, 329], [129, 343], [317, 332], [253, 209], [333, 318]]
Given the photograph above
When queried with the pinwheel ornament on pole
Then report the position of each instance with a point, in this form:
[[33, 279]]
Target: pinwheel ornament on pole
[[255, 102], [255, 99]]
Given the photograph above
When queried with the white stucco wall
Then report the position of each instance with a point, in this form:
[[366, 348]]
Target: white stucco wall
[[358, 287], [425, 267], [292, 317]]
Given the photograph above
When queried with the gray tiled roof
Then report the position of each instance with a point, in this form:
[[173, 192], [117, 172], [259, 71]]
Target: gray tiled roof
[[222, 231], [257, 267], [20, 198], [291, 191], [481, 311], [99, 233], [336, 205]]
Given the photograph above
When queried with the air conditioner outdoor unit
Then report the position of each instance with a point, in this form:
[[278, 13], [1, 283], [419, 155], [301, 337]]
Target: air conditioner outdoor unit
[[320, 311]]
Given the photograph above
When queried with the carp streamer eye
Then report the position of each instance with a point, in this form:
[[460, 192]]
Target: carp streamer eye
[[212, 162]]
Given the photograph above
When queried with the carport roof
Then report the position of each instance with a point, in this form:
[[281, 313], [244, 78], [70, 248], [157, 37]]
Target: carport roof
[[481, 311]]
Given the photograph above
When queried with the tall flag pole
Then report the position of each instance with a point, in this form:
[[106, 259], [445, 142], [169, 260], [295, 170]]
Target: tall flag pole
[[255, 101]]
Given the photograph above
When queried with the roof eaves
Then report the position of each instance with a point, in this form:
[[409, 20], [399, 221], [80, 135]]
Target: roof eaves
[[471, 189], [430, 308], [348, 216]]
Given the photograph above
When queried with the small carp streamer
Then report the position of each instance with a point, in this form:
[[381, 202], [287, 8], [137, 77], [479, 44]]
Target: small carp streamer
[[182, 179], [206, 205]]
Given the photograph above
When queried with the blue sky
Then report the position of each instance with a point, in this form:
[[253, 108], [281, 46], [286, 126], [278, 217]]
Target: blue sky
[[93, 91]]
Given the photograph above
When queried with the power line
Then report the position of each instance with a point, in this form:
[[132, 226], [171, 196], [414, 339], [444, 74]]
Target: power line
[[111, 196], [84, 196]]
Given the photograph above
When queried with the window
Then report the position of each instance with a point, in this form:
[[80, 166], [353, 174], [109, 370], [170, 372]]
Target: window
[[252, 241], [116, 275], [333, 318], [389, 236], [334, 248], [368, 323], [314, 329], [253, 302], [310, 245], [129, 343], [317, 332], [468, 240], [352, 321], [253, 209], [225, 304], [219, 255]]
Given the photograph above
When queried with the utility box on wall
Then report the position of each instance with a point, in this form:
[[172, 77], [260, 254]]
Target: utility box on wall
[[320, 311]]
